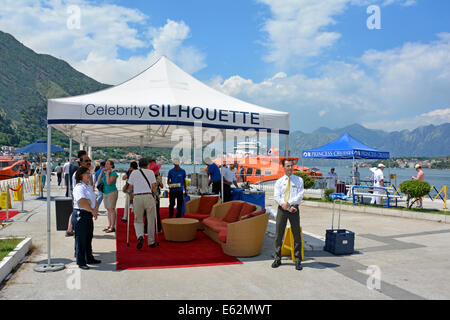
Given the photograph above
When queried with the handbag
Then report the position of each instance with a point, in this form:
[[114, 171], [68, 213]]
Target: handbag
[[101, 187], [125, 187]]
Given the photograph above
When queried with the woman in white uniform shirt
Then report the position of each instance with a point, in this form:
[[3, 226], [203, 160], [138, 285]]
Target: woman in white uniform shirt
[[85, 208]]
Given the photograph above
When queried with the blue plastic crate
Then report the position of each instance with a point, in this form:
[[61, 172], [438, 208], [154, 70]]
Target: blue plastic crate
[[258, 198], [339, 241]]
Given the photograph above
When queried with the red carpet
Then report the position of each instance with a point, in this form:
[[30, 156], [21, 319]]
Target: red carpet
[[11, 214], [201, 252]]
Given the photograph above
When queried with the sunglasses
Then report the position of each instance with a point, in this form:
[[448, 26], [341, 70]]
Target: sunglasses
[[87, 160]]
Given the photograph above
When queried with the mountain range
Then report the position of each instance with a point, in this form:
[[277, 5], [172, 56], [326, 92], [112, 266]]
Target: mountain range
[[28, 79]]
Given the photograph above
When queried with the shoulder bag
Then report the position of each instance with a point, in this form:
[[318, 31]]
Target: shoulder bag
[[153, 194]]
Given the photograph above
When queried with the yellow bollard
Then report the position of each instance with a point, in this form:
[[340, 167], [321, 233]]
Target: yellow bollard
[[15, 192], [35, 186], [445, 199], [18, 194], [4, 200]]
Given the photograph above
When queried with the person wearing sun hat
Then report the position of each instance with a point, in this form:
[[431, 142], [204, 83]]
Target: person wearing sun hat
[[421, 177], [378, 181], [332, 179], [176, 179]]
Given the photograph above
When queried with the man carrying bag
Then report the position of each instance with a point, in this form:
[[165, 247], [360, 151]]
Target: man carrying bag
[[142, 183]]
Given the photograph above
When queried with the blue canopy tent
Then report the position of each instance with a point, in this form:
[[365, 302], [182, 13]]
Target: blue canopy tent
[[39, 146], [345, 147]]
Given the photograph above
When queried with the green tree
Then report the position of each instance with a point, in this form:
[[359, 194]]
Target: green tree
[[414, 189], [308, 182], [327, 194]]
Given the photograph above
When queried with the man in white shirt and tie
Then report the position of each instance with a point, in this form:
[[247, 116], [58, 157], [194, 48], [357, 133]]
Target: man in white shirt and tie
[[288, 194]]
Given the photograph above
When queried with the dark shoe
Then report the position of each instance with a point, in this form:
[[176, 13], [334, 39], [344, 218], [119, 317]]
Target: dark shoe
[[276, 264], [94, 261], [69, 233], [140, 242], [298, 265], [123, 220], [84, 267], [152, 245]]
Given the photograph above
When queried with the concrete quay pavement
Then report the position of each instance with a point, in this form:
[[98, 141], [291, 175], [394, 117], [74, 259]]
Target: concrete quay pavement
[[410, 256]]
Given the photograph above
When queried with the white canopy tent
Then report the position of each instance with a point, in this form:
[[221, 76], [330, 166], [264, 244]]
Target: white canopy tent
[[147, 109]]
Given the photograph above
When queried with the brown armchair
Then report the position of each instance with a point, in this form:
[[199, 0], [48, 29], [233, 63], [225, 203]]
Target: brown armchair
[[200, 208]]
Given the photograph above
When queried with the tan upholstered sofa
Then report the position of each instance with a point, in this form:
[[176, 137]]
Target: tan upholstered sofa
[[241, 233]]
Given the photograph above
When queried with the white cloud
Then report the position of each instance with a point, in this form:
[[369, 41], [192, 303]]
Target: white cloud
[[168, 40], [381, 87], [105, 29], [412, 78], [435, 117], [297, 28]]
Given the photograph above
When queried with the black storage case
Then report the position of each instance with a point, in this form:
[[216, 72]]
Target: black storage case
[[63, 208], [339, 241]]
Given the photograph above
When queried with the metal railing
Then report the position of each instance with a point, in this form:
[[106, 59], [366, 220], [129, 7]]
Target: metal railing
[[385, 189]]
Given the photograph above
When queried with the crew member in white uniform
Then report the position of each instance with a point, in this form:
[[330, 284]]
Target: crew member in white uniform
[[85, 209], [229, 178], [288, 194], [332, 179], [378, 181]]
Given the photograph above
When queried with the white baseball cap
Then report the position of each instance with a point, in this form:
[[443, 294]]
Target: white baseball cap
[[208, 160], [417, 166], [381, 165], [176, 161]]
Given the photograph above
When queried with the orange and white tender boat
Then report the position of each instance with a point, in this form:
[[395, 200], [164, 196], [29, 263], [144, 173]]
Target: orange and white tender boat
[[11, 168], [254, 168]]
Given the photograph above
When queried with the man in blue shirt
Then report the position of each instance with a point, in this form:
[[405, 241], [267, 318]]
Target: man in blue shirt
[[176, 179], [215, 176]]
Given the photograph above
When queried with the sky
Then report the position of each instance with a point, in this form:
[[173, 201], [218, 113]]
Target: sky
[[384, 64]]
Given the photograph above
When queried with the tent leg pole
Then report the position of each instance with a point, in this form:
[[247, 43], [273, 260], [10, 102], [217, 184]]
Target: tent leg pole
[[70, 150], [287, 146], [70, 161], [221, 178], [49, 266]]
